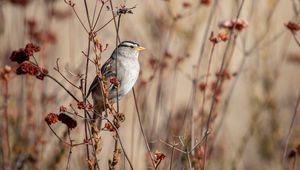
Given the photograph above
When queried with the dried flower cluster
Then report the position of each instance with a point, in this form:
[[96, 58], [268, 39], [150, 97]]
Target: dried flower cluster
[[198, 158], [22, 57], [100, 46], [67, 120], [62, 109], [186, 5], [202, 86], [31, 69], [114, 81], [222, 36], [205, 2], [292, 26], [223, 75], [293, 153], [4, 72], [27, 68], [237, 24], [109, 127], [82, 105], [53, 118], [124, 10], [23, 54], [159, 156], [20, 2]]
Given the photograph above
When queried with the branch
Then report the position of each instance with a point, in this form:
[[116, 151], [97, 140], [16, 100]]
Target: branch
[[49, 76]]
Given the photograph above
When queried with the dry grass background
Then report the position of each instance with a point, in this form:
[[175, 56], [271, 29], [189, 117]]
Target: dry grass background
[[250, 122]]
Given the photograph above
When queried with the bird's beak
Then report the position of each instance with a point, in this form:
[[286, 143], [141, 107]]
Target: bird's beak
[[141, 48]]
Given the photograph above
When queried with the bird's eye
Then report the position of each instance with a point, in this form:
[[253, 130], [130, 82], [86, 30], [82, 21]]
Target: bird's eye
[[131, 46]]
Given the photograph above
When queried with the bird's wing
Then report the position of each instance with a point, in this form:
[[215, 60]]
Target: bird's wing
[[108, 66], [94, 85], [108, 70]]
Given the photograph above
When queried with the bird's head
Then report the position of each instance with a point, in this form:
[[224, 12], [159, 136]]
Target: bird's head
[[130, 49]]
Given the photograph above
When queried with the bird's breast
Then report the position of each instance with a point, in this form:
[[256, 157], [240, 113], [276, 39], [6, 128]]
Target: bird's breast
[[128, 76]]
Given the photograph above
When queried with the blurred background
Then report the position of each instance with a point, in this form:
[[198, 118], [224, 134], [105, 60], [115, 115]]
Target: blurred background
[[243, 79]]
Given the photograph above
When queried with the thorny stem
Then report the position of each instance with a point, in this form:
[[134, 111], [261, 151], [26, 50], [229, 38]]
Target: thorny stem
[[141, 127], [5, 130]]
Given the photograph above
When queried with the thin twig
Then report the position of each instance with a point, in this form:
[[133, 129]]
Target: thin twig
[[291, 127], [206, 82], [70, 151], [94, 13], [117, 42], [80, 20], [173, 147], [172, 154], [104, 25], [72, 95], [295, 38], [220, 81], [142, 129], [182, 151], [64, 77], [87, 14], [121, 143], [58, 136], [5, 130], [99, 13], [66, 143]]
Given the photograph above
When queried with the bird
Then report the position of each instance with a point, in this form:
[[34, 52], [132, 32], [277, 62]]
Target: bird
[[118, 79]]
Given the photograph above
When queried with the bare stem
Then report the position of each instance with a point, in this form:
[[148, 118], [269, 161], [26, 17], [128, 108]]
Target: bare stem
[[295, 38], [99, 13], [64, 77], [5, 131], [142, 129], [80, 20], [70, 152], [291, 127], [220, 81], [104, 25], [54, 79], [87, 14]]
